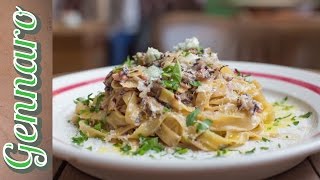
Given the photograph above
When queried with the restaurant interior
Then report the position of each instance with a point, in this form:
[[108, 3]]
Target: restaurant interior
[[98, 33]]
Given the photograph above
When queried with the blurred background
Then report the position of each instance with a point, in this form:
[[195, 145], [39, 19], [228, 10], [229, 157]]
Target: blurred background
[[95, 33]]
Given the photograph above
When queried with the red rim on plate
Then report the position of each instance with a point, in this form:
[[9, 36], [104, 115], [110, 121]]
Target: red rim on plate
[[300, 83]]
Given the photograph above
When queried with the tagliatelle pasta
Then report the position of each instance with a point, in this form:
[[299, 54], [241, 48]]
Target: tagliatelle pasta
[[186, 98]]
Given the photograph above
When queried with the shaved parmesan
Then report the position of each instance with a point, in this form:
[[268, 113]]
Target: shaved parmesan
[[153, 72], [188, 44]]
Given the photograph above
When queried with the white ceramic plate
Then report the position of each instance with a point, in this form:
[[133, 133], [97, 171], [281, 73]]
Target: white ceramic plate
[[302, 88]]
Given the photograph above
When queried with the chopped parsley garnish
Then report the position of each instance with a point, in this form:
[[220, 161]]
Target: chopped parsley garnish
[[195, 83], [125, 149], [200, 50], [117, 144], [171, 85], [204, 125], [264, 148], [172, 76], [306, 115], [279, 118], [77, 121], [222, 152], [181, 151], [80, 139], [287, 107], [98, 126], [89, 148], [250, 151], [296, 122], [276, 123], [117, 69], [128, 62], [84, 100], [166, 109], [97, 105], [283, 105], [246, 77], [279, 103], [265, 139], [86, 121], [83, 111], [191, 118], [236, 71], [185, 53], [148, 143]]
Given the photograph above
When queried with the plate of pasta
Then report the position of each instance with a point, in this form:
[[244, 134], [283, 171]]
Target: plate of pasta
[[184, 113]]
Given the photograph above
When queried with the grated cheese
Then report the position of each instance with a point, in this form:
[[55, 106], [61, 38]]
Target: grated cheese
[[188, 44], [153, 72], [153, 54]]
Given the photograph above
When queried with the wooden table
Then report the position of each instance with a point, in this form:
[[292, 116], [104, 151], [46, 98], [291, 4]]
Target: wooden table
[[309, 169]]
